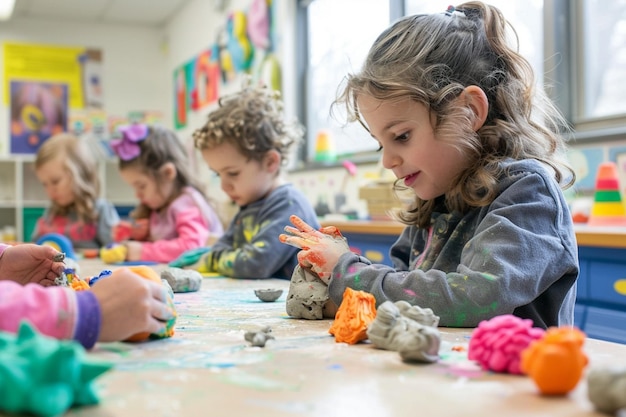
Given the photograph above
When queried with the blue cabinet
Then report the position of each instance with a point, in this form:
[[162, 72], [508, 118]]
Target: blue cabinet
[[602, 292], [373, 247]]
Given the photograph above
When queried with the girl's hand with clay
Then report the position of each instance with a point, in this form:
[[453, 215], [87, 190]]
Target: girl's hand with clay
[[321, 249]]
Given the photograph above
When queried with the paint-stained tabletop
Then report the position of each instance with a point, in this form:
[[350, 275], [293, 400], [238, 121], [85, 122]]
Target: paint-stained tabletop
[[208, 369]]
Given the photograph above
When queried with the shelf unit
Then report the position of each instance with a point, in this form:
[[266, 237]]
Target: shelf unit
[[21, 194]]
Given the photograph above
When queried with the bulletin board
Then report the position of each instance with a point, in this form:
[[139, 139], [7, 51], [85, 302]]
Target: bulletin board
[[79, 68]]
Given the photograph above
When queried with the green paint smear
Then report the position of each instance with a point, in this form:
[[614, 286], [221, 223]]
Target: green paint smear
[[461, 318], [489, 277]]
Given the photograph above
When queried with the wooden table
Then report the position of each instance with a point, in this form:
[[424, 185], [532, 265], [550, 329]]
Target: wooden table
[[208, 369]]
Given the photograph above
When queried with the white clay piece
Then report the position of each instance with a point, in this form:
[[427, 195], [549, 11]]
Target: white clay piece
[[406, 329], [607, 390], [182, 280]]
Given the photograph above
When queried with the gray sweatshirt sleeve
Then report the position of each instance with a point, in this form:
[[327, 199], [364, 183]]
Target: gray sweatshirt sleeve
[[262, 255], [107, 219], [515, 250]]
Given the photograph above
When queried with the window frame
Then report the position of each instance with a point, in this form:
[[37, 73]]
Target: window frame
[[563, 76]]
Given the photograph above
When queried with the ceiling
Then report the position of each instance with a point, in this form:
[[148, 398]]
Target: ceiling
[[137, 12]]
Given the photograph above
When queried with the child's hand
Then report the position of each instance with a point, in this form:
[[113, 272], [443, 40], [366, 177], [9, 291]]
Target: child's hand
[[140, 230], [133, 250], [130, 304], [321, 249], [27, 262]]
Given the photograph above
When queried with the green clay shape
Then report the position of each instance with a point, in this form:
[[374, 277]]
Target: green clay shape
[[45, 376]]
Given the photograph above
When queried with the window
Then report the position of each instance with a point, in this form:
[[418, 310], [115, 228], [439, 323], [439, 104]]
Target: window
[[525, 16], [604, 59], [576, 47], [338, 45]]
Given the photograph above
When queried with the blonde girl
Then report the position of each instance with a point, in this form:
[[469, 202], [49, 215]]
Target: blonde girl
[[68, 171]]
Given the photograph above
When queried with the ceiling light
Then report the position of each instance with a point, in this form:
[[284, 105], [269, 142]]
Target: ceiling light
[[6, 9]]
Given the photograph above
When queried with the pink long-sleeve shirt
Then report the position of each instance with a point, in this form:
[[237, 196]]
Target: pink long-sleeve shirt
[[58, 312], [186, 224]]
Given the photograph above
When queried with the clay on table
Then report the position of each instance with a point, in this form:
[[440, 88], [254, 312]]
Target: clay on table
[[182, 280], [308, 296], [268, 295], [406, 329], [259, 338]]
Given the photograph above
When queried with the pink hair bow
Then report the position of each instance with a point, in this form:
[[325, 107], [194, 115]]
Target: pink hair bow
[[127, 147]]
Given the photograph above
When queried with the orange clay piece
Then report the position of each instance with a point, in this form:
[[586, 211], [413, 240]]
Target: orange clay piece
[[79, 285], [149, 274], [556, 361], [91, 253], [356, 312]]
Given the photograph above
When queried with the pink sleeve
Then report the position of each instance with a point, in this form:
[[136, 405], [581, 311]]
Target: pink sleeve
[[2, 248], [52, 310], [192, 233]]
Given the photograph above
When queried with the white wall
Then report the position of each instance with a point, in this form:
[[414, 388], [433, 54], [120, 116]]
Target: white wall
[[135, 70], [193, 30], [139, 63]]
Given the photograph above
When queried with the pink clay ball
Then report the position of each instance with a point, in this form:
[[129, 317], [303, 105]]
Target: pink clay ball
[[497, 344]]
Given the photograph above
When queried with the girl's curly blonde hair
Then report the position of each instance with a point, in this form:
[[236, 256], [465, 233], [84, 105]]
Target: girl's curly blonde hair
[[252, 121]]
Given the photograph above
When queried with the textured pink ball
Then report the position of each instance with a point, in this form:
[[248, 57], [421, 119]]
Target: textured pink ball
[[497, 344]]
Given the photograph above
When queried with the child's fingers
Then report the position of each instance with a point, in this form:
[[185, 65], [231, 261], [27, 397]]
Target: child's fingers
[[304, 259], [302, 225], [47, 282], [331, 230], [292, 240], [292, 230], [311, 235], [157, 291], [162, 312]]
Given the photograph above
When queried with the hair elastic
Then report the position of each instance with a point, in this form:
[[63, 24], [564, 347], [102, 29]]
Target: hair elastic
[[451, 10]]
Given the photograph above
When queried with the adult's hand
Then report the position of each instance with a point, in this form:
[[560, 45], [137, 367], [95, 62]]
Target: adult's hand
[[130, 304], [27, 262]]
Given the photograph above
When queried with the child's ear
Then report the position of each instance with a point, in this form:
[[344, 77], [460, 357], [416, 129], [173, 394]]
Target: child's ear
[[272, 161], [477, 100], [168, 171]]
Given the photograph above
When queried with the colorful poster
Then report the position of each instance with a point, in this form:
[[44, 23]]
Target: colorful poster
[[180, 98], [195, 86], [72, 66], [206, 76], [38, 111], [91, 61]]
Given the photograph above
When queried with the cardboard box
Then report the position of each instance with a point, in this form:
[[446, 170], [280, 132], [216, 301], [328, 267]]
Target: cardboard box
[[381, 200]]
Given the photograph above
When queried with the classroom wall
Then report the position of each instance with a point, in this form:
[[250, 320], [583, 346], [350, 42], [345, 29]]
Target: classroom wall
[[194, 29], [134, 62], [138, 66]]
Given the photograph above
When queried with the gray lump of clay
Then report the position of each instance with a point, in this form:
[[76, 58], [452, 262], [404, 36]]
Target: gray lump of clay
[[607, 389], [182, 280], [408, 330], [259, 338], [308, 296]]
